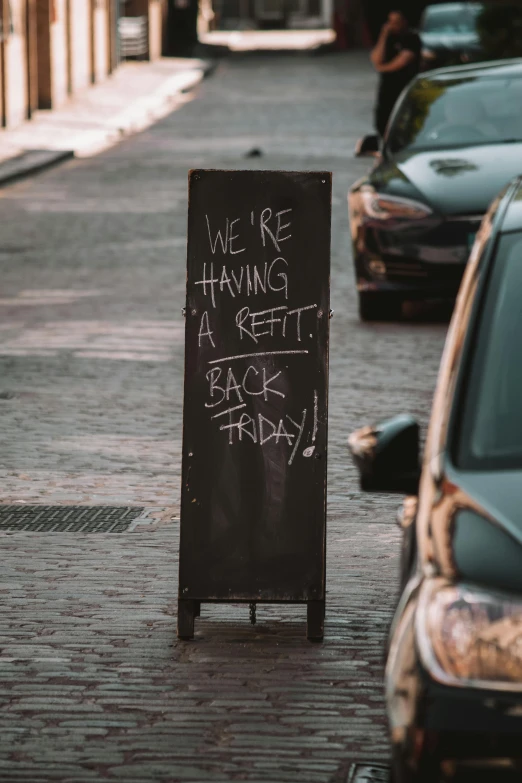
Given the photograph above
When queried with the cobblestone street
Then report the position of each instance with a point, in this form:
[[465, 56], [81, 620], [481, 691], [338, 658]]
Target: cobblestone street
[[93, 682]]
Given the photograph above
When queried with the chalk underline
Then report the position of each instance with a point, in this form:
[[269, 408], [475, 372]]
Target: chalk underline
[[250, 355]]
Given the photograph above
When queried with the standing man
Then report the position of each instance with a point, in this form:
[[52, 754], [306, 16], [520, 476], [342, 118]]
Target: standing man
[[396, 57]]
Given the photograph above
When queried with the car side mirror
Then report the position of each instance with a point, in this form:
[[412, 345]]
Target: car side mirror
[[387, 456], [368, 146]]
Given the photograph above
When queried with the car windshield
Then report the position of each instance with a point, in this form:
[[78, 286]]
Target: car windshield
[[491, 434], [450, 21], [462, 112]]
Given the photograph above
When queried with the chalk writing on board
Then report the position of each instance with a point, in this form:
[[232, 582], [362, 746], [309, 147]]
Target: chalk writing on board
[[246, 279], [243, 389], [248, 355]]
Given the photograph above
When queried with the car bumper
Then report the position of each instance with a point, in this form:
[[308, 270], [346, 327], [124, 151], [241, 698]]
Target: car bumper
[[425, 261], [471, 723], [414, 289], [460, 723]]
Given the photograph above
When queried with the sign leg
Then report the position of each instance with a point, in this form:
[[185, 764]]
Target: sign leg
[[315, 620], [197, 608], [186, 615]]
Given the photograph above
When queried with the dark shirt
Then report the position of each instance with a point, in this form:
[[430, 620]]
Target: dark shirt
[[408, 41]]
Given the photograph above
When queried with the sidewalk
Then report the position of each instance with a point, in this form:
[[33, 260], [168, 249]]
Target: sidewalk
[[136, 96]]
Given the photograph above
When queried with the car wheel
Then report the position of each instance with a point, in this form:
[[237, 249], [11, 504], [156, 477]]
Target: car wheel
[[427, 770], [379, 307]]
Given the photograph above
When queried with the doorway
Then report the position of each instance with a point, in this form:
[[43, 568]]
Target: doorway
[[31, 54], [41, 85]]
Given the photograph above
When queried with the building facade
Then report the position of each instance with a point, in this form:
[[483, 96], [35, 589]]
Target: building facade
[[52, 49]]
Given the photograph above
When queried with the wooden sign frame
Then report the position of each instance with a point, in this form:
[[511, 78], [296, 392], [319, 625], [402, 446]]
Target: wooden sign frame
[[253, 505]]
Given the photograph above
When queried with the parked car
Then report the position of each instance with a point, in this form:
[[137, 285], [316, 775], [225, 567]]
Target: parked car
[[449, 34], [499, 28], [453, 676], [454, 139]]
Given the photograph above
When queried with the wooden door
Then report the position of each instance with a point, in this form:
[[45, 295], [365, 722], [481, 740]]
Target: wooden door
[[113, 48], [92, 40], [68, 44], [31, 43], [4, 27], [44, 10]]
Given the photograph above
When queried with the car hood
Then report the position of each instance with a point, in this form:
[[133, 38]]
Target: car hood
[[460, 181], [454, 42]]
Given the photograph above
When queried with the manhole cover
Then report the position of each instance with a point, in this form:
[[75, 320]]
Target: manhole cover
[[369, 773], [68, 519]]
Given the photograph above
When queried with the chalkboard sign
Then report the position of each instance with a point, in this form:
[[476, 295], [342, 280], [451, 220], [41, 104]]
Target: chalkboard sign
[[253, 508]]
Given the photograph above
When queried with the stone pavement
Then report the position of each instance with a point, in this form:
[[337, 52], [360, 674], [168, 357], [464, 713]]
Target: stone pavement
[[93, 683]]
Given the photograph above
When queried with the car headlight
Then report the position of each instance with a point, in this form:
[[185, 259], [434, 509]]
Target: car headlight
[[379, 206], [467, 636]]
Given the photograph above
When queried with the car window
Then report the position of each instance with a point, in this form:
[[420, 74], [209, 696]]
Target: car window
[[456, 337], [465, 111], [491, 428], [447, 21]]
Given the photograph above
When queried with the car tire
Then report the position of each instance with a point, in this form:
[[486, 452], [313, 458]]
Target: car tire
[[427, 770], [379, 307]]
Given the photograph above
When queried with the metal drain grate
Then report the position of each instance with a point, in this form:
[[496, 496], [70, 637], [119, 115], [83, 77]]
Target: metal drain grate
[[68, 519], [369, 773]]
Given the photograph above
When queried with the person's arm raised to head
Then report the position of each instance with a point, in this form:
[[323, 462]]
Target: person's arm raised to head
[[398, 63], [378, 52]]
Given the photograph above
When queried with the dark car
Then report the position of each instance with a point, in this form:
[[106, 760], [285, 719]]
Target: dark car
[[449, 34], [454, 661], [454, 139]]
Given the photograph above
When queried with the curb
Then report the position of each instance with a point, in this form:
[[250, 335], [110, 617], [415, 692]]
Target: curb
[[31, 162], [135, 118]]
